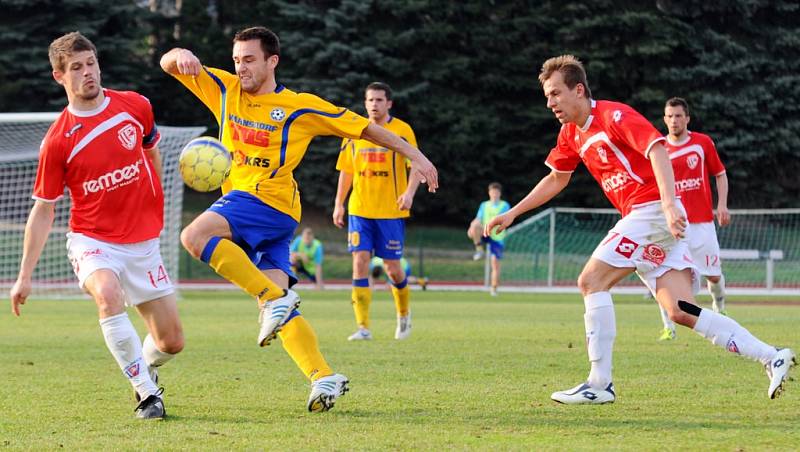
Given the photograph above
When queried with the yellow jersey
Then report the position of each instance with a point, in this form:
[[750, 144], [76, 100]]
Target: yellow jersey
[[268, 134], [379, 174]]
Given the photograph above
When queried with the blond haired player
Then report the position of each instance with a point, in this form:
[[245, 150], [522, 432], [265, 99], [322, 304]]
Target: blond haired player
[[694, 161], [626, 155], [103, 148], [379, 204], [245, 235]]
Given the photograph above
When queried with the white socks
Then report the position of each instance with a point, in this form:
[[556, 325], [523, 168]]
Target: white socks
[[601, 329], [725, 332], [123, 343], [669, 324], [717, 292], [152, 355]]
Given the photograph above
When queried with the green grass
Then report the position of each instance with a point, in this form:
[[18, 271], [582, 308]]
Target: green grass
[[476, 374]]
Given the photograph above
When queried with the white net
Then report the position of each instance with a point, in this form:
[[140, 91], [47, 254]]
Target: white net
[[20, 137], [760, 249]]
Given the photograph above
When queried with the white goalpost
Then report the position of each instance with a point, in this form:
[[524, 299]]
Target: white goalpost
[[760, 250], [20, 137]]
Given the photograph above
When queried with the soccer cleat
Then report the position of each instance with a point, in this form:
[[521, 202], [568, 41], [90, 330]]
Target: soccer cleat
[[478, 254], [325, 391], [362, 334], [493, 292], [583, 394], [718, 306], [153, 376], [274, 314], [777, 371], [403, 330], [152, 407], [667, 334], [423, 282]]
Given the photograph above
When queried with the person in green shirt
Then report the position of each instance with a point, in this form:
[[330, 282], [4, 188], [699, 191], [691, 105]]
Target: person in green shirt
[[486, 212], [306, 257]]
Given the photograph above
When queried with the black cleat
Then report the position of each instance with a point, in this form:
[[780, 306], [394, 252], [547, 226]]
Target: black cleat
[[152, 407]]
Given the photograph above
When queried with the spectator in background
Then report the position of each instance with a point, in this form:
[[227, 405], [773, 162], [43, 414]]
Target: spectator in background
[[306, 255]]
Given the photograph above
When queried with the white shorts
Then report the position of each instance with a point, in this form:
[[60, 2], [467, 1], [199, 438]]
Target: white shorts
[[138, 266], [642, 241], [704, 247]]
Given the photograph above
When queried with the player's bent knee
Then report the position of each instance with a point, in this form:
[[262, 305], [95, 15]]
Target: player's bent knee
[[172, 344], [109, 301], [191, 241]]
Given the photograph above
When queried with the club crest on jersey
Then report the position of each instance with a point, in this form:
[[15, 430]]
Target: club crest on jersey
[[127, 136], [626, 247], [692, 161], [654, 253], [277, 114]]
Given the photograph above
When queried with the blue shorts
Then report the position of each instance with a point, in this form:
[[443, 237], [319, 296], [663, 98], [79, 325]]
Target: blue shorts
[[385, 237], [495, 247], [263, 232]]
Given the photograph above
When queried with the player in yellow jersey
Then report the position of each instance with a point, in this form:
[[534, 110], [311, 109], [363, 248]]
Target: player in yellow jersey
[[245, 235], [378, 206]]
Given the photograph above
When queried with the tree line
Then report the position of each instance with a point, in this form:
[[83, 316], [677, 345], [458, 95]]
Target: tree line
[[464, 74]]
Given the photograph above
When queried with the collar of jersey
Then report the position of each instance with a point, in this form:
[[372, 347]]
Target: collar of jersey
[[87, 113], [682, 142], [586, 125]]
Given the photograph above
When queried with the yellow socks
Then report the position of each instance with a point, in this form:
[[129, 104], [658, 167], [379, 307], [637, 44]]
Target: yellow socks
[[361, 299], [300, 342], [401, 295], [232, 263]]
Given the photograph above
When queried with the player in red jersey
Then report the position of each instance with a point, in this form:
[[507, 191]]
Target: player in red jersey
[[694, 159], [103, 148], [626, 155]]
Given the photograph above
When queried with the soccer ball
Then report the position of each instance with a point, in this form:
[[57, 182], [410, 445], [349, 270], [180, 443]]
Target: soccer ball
[[204, 164]]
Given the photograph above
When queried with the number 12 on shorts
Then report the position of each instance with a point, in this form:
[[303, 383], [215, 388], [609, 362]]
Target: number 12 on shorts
[[159, 276]]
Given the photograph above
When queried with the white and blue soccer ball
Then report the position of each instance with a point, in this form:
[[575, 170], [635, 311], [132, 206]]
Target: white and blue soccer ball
[[204, 164]]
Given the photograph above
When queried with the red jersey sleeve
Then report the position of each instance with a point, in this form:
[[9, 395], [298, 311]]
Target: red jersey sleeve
[[713, 162], [150, 135], [630, 127], [563, 158], [51, 173]]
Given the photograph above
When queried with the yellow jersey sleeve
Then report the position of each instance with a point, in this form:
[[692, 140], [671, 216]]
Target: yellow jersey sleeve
[[210, 86], [318, 117], [345, 160]]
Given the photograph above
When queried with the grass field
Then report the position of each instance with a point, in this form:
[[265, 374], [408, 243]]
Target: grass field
[[476, 374]]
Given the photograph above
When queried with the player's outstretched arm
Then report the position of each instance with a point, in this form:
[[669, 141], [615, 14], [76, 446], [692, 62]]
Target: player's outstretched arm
[[419, 163], [723, 215], [181, 61], [37, 229], [342, 189], [544, 191], [665, 178]]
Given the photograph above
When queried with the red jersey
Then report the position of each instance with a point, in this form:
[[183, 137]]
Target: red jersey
[[614, 145], [99, 156], [693, 159]]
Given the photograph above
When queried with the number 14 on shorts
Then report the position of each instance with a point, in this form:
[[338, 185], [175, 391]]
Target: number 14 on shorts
[[158, 276]]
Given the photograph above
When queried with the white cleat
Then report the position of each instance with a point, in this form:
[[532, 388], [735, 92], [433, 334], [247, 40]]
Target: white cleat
[[403, 330], [777, 370], [583, 394], [362, 334], [325, 391], [274, 314]]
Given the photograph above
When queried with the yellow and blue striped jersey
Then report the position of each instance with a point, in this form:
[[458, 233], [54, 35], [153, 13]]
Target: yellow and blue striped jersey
[[268, 134], [379, 174]]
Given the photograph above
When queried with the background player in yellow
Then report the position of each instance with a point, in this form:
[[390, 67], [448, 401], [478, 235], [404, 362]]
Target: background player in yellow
[[378, 206], [245, 235]]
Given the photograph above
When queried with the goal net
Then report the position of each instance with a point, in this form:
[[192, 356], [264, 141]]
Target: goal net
[[20, 137], [760, 249]]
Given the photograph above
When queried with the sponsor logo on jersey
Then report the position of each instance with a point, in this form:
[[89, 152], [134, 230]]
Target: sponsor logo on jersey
[[127, 136], [626, 247], [241, 159], [277, 114], [614, 181], [132, 370], [371, 173], [654, 253], [72, 131], [692, 161], [692, 183], [617, 115], [114, 179]]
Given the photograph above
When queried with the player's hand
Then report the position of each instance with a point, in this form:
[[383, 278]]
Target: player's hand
[[405, 201], [19, 293], [498, 224], [676, 221], [338, 216], [723, 216], [188, 63], [428, 172]]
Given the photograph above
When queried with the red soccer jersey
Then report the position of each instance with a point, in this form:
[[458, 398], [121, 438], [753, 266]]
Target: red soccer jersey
[[99, 156], [693, 160], [614, 145]]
